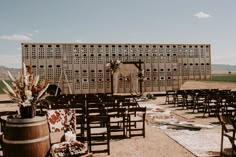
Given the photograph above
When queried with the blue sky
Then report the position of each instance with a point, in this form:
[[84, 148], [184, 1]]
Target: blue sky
[[134, 21]]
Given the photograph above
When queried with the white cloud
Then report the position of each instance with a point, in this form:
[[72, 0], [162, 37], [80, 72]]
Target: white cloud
[[19, 37], [202, 15]]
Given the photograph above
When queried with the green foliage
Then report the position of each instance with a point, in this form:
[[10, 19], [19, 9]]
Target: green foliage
[[3, 86], [224, 77]]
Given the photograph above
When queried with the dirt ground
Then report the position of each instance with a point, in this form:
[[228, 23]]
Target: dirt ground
[[157, 143]]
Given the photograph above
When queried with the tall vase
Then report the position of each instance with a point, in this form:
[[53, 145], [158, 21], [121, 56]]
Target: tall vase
[[27, 111]]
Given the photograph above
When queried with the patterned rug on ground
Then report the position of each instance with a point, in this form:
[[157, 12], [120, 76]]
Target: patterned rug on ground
[[202, 143]]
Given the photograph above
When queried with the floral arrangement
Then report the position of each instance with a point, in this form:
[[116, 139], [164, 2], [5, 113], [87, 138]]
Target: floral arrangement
[[113, 65], [27, 90]]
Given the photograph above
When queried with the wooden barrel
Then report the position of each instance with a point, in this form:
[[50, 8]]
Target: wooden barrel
[[27, 137]]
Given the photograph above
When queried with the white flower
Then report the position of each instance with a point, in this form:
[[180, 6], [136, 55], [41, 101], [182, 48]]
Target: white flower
[[118, 61], [69, 136], [25, 104], [28, 93], [108, 64]]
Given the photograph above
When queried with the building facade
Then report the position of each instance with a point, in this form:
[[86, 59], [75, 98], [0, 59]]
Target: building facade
[[81, 67]]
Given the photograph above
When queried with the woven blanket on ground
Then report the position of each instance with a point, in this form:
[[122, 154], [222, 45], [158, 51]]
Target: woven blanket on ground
[[200, 143]]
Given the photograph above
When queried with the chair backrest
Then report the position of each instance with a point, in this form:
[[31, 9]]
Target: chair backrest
[[59, 104], [116, 112], [2, 120], [95, 109], [43, 106], [225, 123], [7, 113], [98, 119], [228, 130], [136, 110], [60, 120], [170, 92], [79, 108], [111, 105], [130, 105], [80, 112]]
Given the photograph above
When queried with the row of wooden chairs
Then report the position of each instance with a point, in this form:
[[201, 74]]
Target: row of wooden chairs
[[214, 102], [208, 101], [118, 120], [116, 117], [91, 98]]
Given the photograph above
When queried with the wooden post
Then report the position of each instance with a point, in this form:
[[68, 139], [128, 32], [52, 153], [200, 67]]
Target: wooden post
[[140, 75], [112, 83]]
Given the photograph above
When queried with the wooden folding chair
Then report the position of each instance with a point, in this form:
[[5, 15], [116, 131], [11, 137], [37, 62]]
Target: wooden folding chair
[[117, 122], [179, 98], [199, 102], [80, 114], [230, 106], [61, 120], [170, 97], [100, 134], [3, 116], [136, 121], [228, 130]]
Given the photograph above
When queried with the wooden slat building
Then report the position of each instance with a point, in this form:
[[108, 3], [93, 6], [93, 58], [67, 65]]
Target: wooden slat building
[[80, 68]]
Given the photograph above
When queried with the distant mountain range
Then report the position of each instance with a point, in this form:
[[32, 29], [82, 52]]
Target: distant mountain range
[[223, 68], [4, 74], [216, 68]]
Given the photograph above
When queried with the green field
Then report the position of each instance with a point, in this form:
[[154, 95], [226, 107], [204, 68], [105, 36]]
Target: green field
[[224, 77]]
